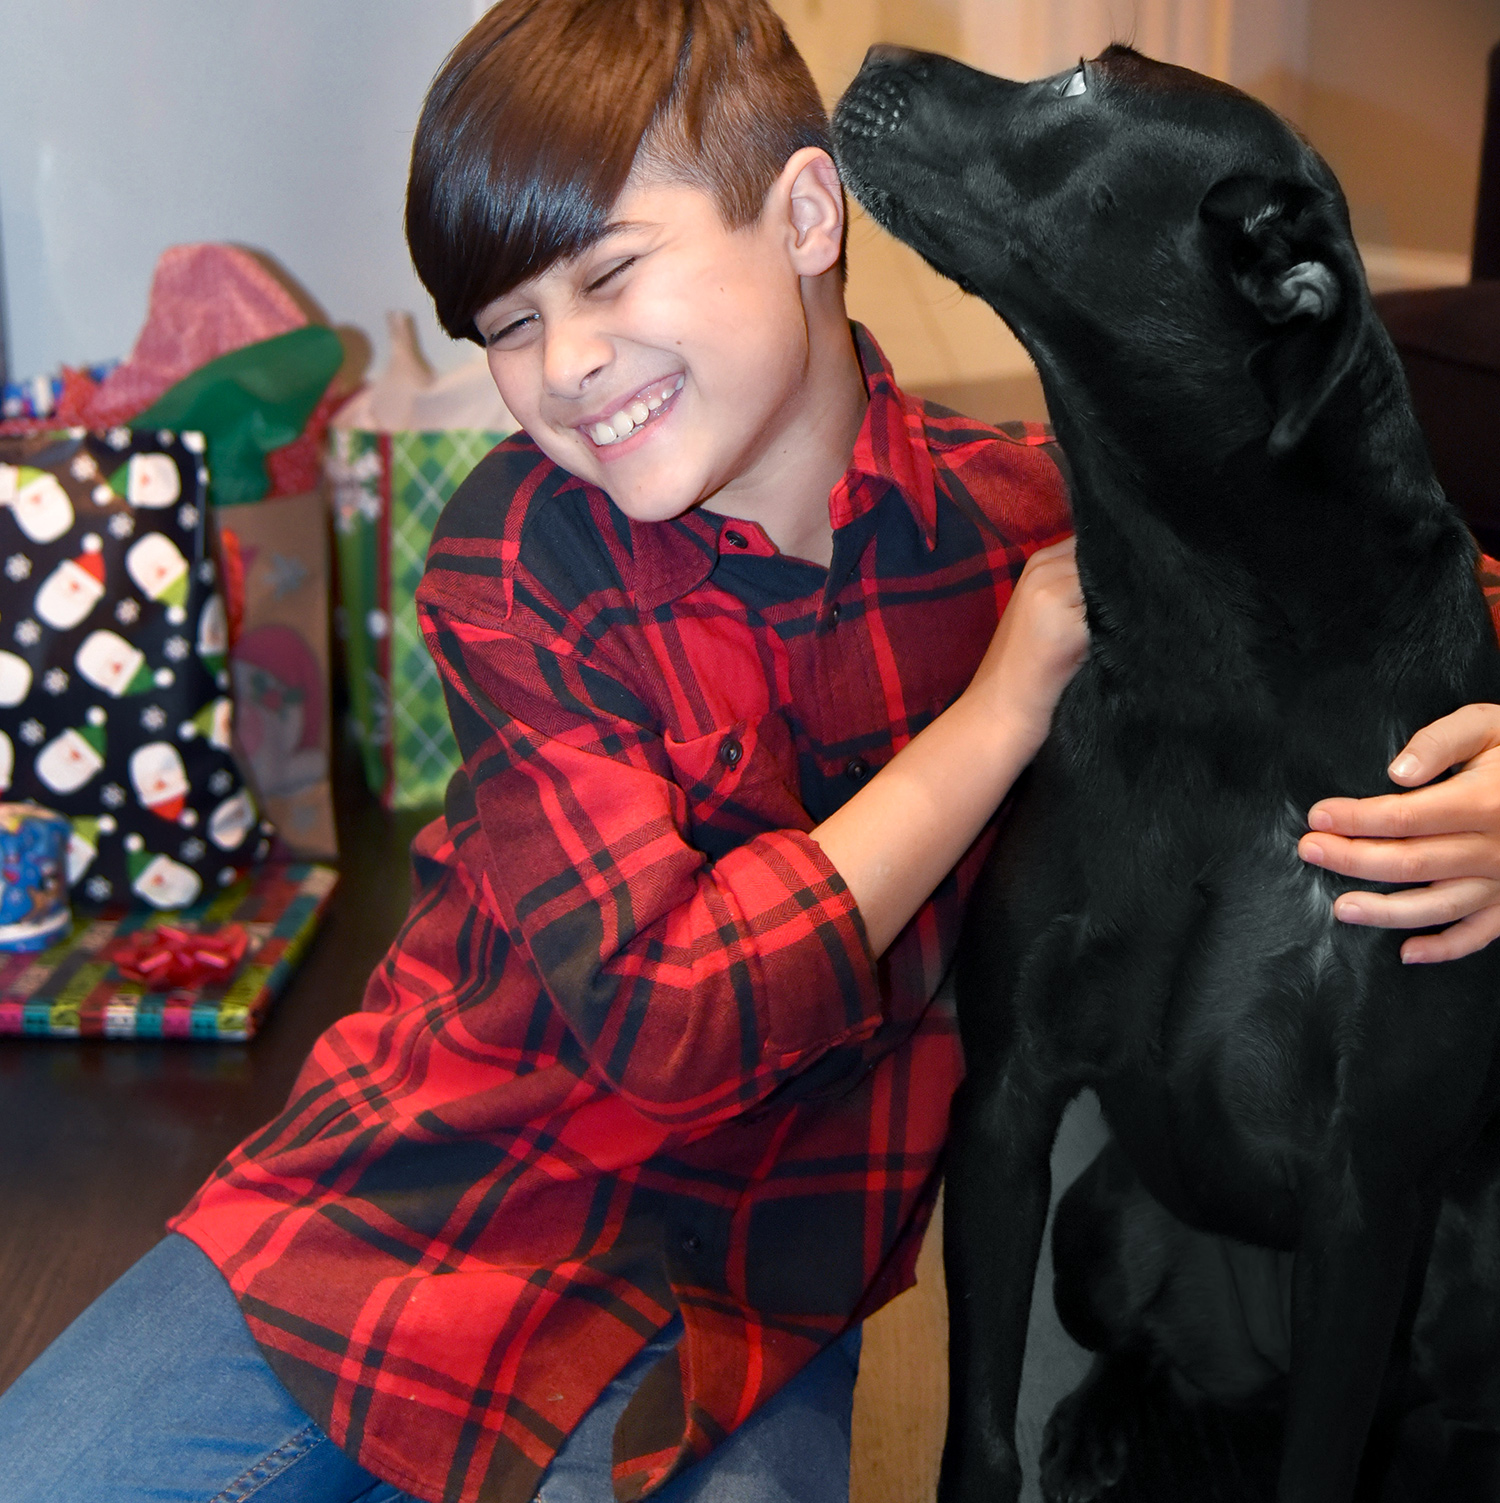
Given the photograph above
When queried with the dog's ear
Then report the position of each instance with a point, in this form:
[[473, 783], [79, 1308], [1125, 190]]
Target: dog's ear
[[1287, 250]]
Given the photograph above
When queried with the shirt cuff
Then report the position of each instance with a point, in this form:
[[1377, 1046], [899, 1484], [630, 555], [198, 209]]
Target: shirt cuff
[[819, 977]]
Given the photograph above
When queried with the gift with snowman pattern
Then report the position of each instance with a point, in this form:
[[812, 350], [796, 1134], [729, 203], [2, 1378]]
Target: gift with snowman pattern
[[114, 708]]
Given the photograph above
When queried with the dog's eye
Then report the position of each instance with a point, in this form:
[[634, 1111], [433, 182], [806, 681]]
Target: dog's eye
[[1077, 83]]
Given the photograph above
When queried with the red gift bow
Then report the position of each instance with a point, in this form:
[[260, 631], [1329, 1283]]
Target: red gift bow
[[164, 957]]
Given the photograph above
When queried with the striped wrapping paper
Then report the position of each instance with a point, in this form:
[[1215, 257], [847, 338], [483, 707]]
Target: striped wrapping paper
[[72, 990]]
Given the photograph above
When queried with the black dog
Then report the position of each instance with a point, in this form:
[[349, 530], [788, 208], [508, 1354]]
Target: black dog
[[1279, 596], [1193, 1336]]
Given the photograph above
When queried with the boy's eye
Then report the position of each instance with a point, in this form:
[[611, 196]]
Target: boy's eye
[[504, 332], [610, 275]]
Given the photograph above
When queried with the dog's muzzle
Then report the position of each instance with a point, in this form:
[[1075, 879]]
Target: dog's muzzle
[[877, 101]]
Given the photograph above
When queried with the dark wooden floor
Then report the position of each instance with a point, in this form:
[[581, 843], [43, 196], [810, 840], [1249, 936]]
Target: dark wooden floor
[[102, 1140]]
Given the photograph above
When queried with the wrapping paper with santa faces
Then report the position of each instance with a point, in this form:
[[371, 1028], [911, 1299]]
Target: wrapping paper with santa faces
[[115, 704]]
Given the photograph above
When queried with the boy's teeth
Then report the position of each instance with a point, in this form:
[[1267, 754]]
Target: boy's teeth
[[629, 418]]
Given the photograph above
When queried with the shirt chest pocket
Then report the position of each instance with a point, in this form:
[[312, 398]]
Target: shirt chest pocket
[[739, 781]]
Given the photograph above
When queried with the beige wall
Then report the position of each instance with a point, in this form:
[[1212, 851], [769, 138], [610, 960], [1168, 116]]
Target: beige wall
[[1391, 91], [933, 334], [1394, 98], [833, 34]]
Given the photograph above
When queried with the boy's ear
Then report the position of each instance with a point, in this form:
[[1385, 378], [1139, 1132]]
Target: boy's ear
[[813, 196]]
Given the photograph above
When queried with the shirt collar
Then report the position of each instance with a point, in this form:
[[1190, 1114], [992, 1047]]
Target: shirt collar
[[891, 448], [673, 557]]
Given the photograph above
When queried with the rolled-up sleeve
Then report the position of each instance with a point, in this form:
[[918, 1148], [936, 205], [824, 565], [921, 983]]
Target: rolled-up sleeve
[[695, 986]]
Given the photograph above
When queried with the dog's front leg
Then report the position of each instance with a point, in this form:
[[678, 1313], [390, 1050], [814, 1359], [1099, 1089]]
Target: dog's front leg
[[1355, 1287], [995, 1209]]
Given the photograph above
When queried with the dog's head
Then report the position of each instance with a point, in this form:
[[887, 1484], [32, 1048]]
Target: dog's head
[[1142, 228]]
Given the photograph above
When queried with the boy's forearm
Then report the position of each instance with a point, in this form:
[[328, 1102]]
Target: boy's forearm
[[902, 833]]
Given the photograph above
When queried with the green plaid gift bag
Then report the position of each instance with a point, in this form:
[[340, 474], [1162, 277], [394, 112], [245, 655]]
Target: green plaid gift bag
[[388, 489]]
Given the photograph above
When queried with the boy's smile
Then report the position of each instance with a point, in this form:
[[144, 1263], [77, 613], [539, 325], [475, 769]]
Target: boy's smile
[[679, 360], [650, 403]]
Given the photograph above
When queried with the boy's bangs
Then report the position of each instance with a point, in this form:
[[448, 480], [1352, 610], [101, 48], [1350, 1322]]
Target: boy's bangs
[[525, 143], [534, 122]]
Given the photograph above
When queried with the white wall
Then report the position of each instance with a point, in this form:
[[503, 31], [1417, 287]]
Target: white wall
[[131, 125]]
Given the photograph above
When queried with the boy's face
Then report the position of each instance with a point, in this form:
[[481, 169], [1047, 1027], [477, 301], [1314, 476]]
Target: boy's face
[[665, 363]]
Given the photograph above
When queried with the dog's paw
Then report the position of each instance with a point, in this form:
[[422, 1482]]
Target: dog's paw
[[1084, 1450], [990, 1478]]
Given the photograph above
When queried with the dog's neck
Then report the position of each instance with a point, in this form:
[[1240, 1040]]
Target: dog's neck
[[1203, 567]]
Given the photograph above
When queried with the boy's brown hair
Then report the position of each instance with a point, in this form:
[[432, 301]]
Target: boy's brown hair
[[533, 122]]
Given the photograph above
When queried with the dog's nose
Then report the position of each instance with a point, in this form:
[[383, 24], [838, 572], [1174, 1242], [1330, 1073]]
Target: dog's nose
[[886, 55]]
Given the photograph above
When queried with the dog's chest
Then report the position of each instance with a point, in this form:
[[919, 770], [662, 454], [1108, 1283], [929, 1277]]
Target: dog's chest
[[1242, 1026]]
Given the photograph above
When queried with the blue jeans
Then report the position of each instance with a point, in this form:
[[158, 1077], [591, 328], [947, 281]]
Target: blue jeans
[[157, 1394]]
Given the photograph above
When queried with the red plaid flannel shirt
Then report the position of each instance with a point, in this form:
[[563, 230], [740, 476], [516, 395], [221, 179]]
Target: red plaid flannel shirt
[[630, 1053]]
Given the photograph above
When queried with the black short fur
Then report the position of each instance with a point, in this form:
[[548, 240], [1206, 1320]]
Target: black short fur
[[1192, 1336], [1279, 595]]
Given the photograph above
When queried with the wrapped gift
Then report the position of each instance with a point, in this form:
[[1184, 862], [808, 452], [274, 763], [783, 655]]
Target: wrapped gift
[[250, 403], [114, 684], [33, 876], [227, 350], [258, 406], [208, 972], [33, 402]]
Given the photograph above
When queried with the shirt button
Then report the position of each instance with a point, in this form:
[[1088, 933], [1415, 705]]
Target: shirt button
[[833, 614], [692, 1244], [856, 769], [736, 540], [730, 752]]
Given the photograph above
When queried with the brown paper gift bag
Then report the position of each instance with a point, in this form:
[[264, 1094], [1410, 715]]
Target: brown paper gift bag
[[279, 666]]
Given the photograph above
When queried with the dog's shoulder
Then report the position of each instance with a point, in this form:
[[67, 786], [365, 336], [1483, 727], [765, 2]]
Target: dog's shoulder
[[1013, 477]]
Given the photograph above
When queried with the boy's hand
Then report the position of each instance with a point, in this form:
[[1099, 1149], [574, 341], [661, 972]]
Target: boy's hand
[[1447, 836], [1041, 640]]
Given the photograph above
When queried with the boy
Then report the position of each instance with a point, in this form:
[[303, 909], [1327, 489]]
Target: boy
[[644, 1111]]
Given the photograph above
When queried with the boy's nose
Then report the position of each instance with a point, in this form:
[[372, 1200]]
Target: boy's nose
[[575, 353]]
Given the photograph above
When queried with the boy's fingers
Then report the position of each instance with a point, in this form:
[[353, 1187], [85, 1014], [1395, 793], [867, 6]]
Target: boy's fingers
[[1062, 549], [1446, 835], [1053, 557], [1462, 938], [1445, 743], [1431, 858], [1447, 902], [1449, 808]]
